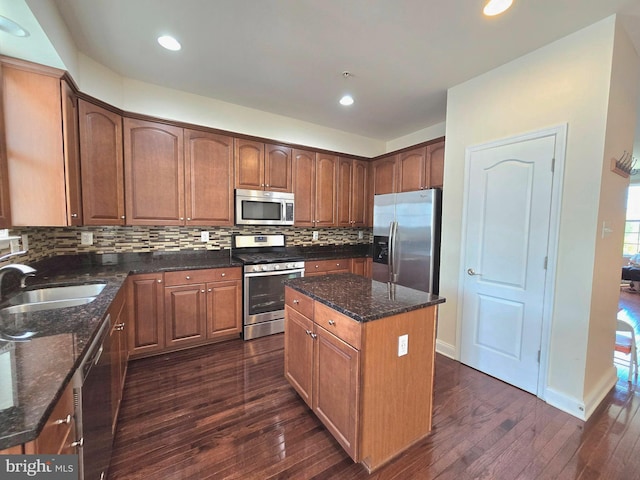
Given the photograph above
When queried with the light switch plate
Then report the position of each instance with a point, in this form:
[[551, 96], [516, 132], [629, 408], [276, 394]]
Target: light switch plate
[[204, 236], [360, 234], [86, 238], [403, 345], [314, 235]]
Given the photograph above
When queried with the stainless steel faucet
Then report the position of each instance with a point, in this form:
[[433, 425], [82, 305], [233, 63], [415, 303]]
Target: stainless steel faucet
[[25, 270]]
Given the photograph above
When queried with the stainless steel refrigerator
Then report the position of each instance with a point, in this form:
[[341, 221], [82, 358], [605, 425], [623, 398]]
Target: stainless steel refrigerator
[[406, 239]]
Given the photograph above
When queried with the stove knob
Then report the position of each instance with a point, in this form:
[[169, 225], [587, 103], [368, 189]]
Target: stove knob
[[265, 268], [276, 267], [290, 265], [256, 268]]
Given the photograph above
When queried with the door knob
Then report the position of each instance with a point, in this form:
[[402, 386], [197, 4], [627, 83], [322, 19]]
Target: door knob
[[471, 272]]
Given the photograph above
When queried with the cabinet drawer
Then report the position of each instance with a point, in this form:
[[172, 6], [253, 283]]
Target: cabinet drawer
[[299, 302], [327, 265], [188, 277], [340, 325]]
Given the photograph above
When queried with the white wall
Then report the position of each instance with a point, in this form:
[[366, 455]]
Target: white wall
[[426, 134], [564, 82]]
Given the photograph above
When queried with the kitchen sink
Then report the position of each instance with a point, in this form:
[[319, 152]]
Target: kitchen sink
[[53, 297]]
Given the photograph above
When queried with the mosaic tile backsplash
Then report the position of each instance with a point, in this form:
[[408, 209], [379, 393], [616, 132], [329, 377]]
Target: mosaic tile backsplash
[[47, 242]]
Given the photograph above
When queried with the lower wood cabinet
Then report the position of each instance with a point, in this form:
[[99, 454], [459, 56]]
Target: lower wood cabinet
[[184, 308], [59, 432], [325, 267], [362, 266], [119, 350]]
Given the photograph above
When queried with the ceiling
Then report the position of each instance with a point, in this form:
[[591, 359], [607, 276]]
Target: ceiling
[[287, 56]]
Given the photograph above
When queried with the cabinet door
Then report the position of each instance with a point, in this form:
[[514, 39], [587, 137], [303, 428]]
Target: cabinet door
[[304, 187], [277, 168], [359, 193], [298, 348], [358, 266], [336, 393], [411, 167], [32, 120], [224, 309], [345, 166], [249, 161], [102, 165], [209, 178], [71, 144], [119, 351], [154, 173], [146, 300], [185, 312], [326, 192], [435, 164], [383, 175]]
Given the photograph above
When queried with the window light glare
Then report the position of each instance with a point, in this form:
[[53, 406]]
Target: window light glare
[[170, 43], [496, 7], [346, 100]]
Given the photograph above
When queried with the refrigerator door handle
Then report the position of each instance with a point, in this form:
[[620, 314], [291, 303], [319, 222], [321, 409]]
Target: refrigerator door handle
[[393, 232]]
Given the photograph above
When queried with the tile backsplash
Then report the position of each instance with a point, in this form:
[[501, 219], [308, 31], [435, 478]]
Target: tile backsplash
[[46, 242]]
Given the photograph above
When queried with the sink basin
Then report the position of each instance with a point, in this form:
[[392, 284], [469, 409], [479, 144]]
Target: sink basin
[[53, 297]]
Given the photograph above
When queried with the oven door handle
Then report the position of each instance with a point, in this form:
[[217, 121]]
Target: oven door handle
[[274, 272]]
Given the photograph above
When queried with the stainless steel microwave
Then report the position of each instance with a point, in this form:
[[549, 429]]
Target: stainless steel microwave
[[257, 207]]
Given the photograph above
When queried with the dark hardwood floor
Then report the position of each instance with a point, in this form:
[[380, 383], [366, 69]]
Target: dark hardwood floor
[[226, 411]]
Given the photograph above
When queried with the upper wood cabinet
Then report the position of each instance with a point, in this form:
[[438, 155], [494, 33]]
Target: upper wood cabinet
[[102, 165], [260, 166], [326, 191], [435, 163], [352, 193], [40, 134], [208, 178], [411, 170], [383, 175], [304, 187], [154, 173]]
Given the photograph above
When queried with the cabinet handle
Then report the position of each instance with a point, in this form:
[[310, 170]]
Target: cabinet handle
[[313, 335], [262, 184], [223, 274], [202, 291], [296, 302], [79, 443], [308, 332], [62, 421], [317, 266], [268, 185], [337, 264], [181, 218], [188, 277], [209, 290], [332, 322], [74, 215], [122, 217], [159, 281], [119, 327]]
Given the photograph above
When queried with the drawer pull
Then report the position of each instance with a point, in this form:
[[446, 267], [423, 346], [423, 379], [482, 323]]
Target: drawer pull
[[296, 302], [63, 421], [337, 264], [223, 274], [332, 322], [188, 277], [119, 327], [79, 443], [314, 335], [308, 332], [317, 266]]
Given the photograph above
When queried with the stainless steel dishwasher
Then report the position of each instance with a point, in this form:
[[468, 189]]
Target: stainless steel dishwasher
[[92, 391]]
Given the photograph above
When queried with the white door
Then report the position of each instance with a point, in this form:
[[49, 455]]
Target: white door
[[504, 259]]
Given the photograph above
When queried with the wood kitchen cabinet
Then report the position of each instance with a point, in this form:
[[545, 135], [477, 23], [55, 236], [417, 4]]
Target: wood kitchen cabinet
[[315, 190], [260, 166], [323, 366], [202, 305], [326, 267], [101, 161], [58, 435], [146, 310], [40, 146], [361, 266], [119, 350], [421, 168], [435, 163], [384, 175], [352, 193]]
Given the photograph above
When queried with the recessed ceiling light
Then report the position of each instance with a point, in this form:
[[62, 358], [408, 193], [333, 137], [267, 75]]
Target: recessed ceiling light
[[12, 28], [346, 100], [170, 43], [496, 7]]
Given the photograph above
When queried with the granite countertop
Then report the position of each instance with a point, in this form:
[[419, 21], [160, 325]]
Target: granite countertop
[[34, 373], [361, 298]]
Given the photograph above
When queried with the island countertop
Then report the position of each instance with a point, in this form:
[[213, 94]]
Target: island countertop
[[361, 298]]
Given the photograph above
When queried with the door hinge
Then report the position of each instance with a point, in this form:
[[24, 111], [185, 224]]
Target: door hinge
[[553, 165], [546, 261]]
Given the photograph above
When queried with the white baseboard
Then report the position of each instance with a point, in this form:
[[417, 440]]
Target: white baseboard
[[582, 408], [446, 349]]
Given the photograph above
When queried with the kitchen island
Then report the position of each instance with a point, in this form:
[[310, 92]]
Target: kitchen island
[[360, 353]]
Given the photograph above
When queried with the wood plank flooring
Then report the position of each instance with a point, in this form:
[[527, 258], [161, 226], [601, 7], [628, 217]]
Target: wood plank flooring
[[226, 412]]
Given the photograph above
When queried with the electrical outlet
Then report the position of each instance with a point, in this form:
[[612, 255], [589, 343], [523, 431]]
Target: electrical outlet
[[314, 235], [14, 243], [360, 234], [204, 236], [86, 238], [403, 345], [25, 242]]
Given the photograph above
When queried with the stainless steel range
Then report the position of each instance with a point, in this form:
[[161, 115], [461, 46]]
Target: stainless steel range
[[266, 265]]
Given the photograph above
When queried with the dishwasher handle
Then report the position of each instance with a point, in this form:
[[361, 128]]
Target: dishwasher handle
[[95, 350]]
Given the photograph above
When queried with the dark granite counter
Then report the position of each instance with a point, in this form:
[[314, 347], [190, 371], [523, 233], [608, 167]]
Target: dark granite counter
[[332, 251], [361, 298], [34, 373]]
